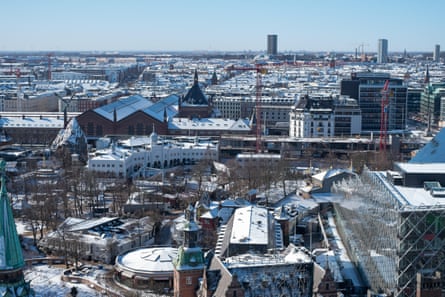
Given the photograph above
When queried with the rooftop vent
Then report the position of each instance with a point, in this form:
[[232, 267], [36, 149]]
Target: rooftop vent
[[438, 192], [428, 185]]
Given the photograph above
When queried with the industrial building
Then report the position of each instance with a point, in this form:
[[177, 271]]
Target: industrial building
[[393, 223]]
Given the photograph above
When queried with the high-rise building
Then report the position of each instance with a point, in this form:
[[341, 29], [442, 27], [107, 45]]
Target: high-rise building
[[382, 56], [436, 53], [367, 87], [272, 44]]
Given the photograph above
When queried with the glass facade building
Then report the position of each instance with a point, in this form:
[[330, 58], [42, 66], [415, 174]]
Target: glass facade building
[[389, 237]]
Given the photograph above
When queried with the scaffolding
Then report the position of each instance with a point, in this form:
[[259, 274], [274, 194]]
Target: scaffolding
[[389, 239]]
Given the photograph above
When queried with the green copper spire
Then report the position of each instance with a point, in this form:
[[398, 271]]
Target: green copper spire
[[190, 255], [11, 256]]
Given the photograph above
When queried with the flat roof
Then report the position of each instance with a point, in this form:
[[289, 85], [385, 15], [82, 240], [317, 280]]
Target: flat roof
[[251, 226], [419, 197], [423, 168]]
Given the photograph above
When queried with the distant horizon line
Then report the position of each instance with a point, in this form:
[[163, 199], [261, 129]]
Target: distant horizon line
[[205, 51]]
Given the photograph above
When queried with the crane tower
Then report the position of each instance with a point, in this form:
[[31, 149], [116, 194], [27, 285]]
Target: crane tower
[[259, 69], [384, 105]]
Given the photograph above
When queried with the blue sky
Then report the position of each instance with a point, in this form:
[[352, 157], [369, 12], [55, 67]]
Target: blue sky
[[226, 25]]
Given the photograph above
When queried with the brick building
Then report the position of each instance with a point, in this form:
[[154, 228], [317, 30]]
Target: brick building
[[133, 115]]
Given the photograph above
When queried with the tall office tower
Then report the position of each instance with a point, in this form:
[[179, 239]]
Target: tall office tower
[[366, 88], [382, 56], [272, 44], [436, 54]]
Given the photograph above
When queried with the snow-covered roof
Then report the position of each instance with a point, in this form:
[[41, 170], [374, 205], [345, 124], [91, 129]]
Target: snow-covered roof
[[419, 197], [330, 173], [123, 107], [89, 224], [209, 124], [433, 151], [158, 260], [31, 121], [69, 136], [168, 105], [251, 226], [423, 168]]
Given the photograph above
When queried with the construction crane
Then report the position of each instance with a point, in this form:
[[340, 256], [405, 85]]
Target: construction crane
[[49, 66], [19, 106], [384, 105], [67, 103], [361, 47], [259, 69]]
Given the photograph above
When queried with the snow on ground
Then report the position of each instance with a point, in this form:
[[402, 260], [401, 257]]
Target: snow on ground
[[46, 281]]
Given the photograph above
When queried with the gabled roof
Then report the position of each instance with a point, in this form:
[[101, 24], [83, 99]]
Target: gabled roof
[[123, 107], [127, 106], [11, 256], [331, 173], [168, 105]]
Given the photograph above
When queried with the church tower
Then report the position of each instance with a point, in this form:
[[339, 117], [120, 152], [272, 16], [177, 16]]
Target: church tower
[[189, 265], [12, 281], [195, 104]]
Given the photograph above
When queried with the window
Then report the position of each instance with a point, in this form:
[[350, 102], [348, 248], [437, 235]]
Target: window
[[90, 128], [188, 280], [99, 130], [139, 129]]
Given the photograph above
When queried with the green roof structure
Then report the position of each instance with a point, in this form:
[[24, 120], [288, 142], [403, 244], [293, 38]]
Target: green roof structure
[[12, 282], [11, 256], [190, 255]]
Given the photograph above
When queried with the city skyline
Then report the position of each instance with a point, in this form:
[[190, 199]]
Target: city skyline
[[343, 25]]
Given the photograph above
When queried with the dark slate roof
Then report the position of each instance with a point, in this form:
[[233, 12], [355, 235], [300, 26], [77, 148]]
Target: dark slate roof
[[195, 96]]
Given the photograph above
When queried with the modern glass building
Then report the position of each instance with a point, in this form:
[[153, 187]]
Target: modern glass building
[[393, 225], [431, 106], [367, 87]]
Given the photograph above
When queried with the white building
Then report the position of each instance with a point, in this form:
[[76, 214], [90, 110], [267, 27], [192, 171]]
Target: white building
[[138, 156], [323, 116]]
